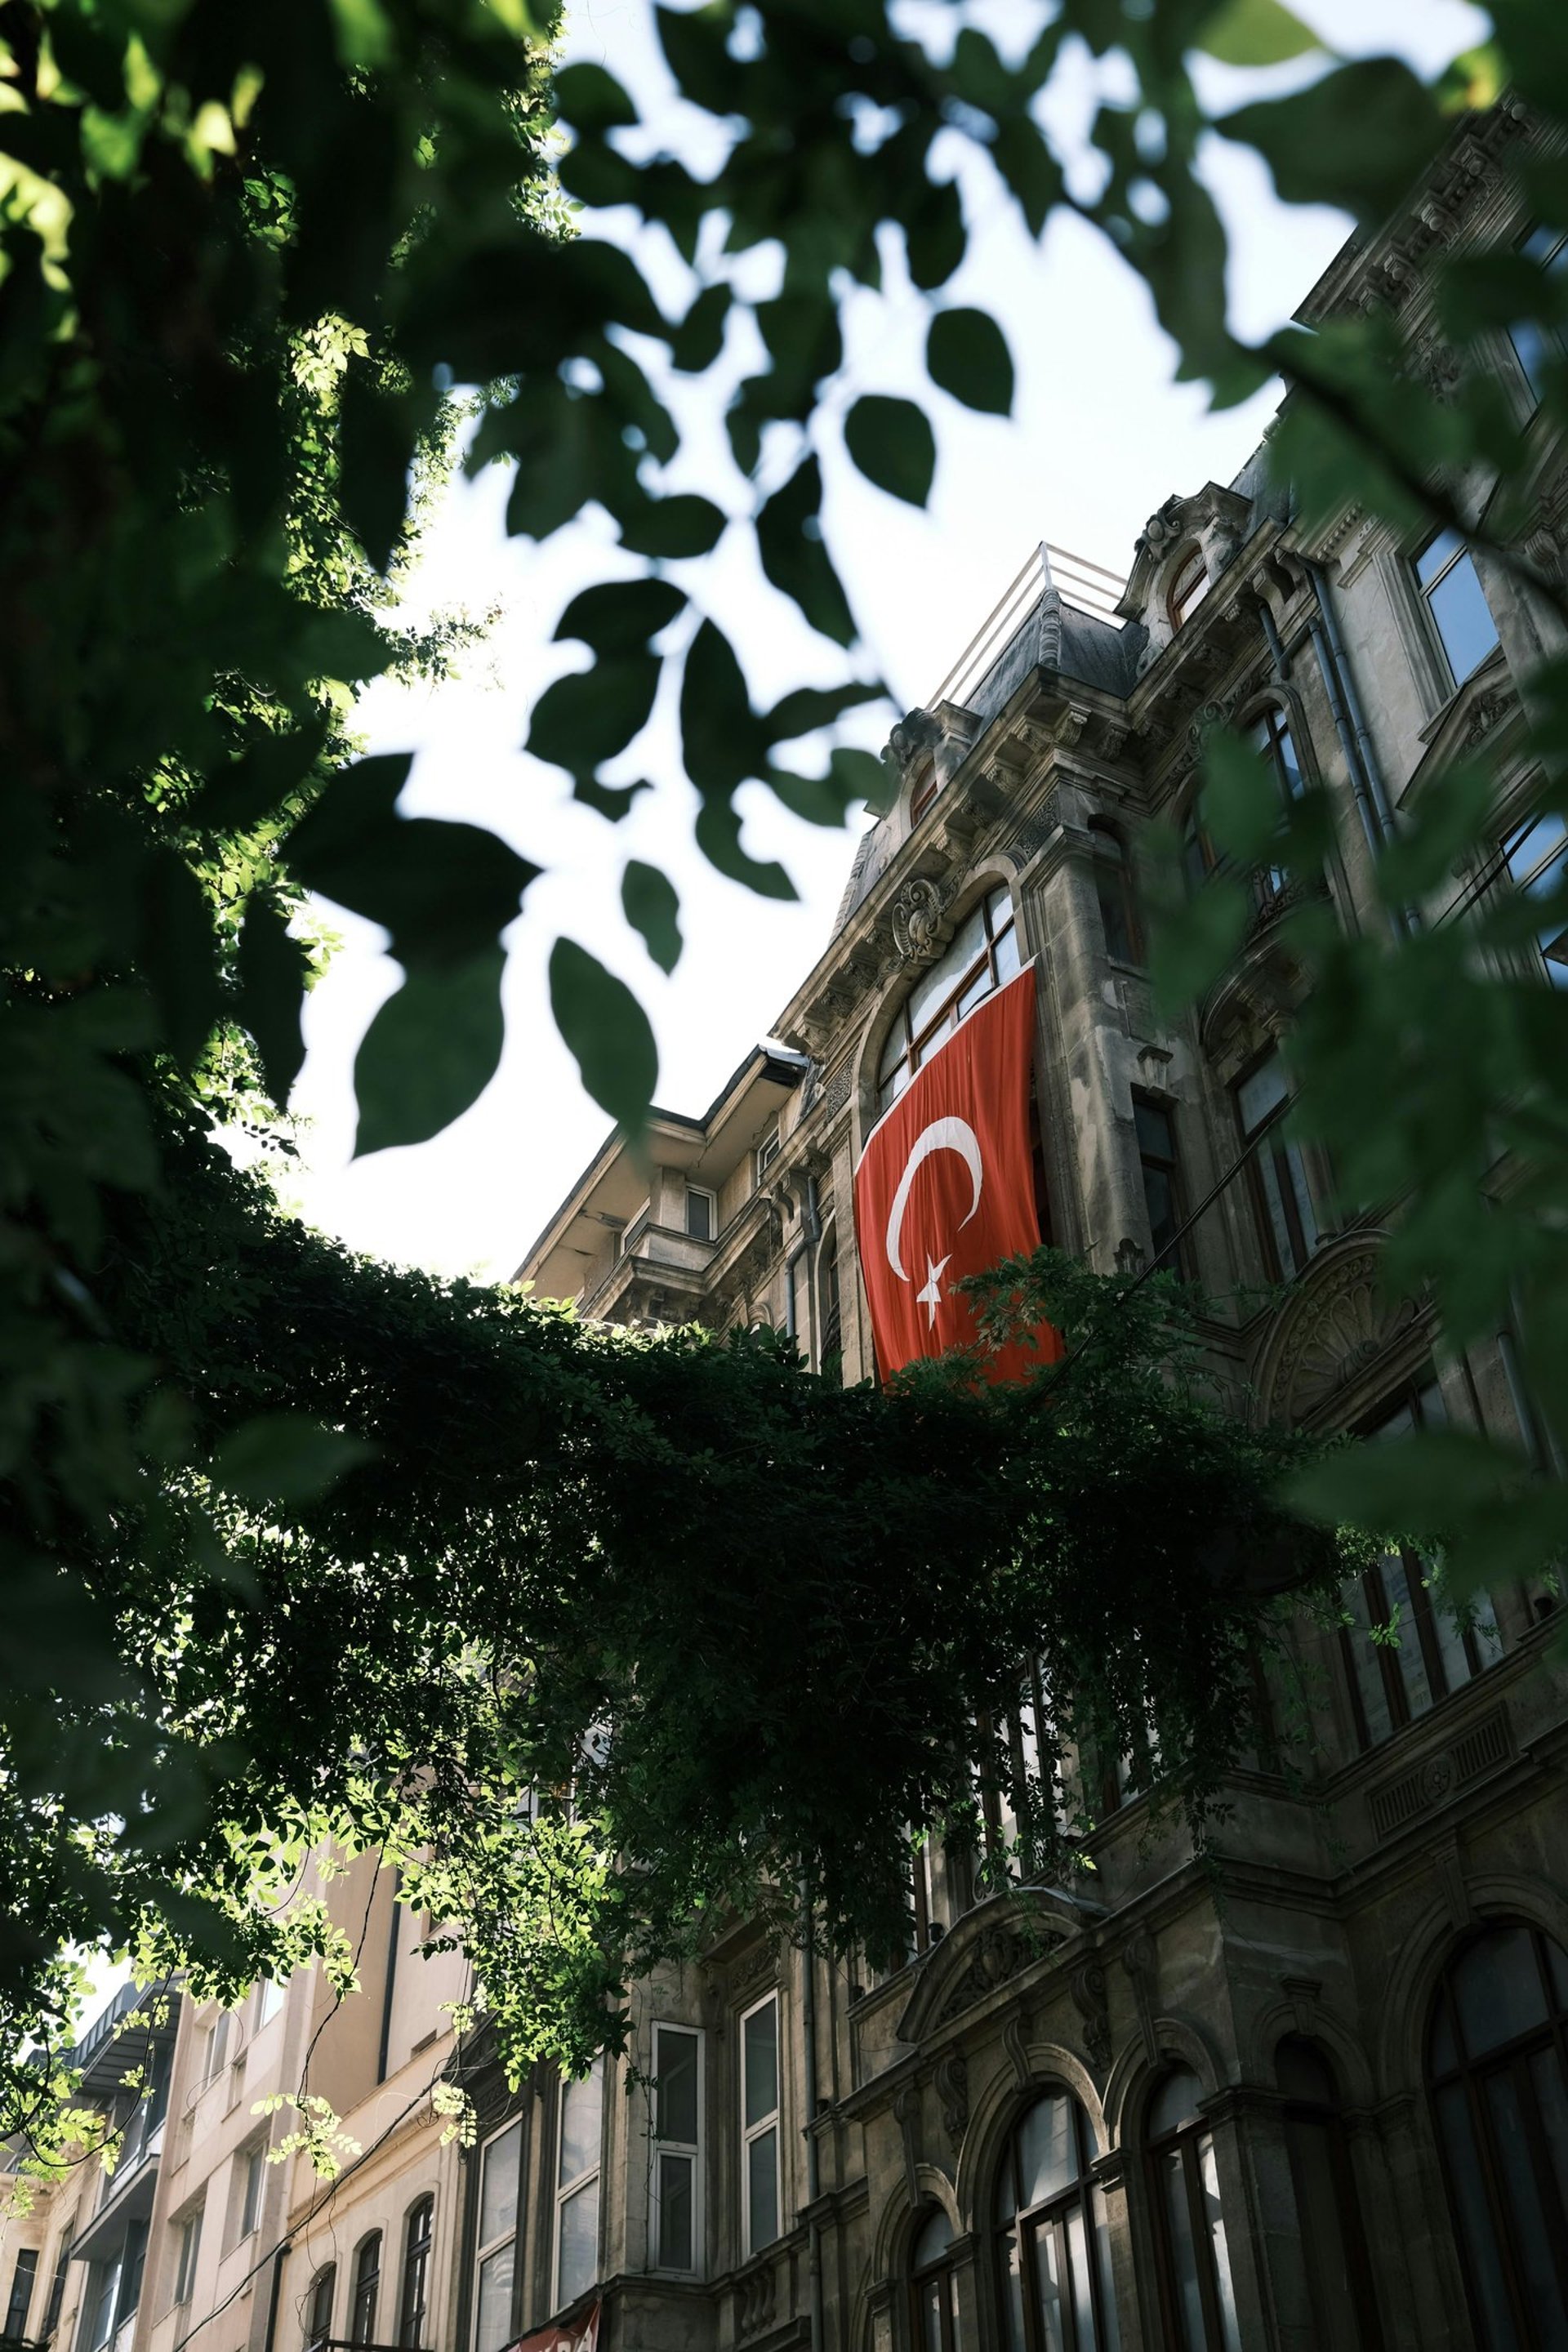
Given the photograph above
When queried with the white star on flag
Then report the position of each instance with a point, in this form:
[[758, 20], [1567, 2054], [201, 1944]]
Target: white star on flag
[[931, 1297]]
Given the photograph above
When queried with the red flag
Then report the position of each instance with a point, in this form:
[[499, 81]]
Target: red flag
[[579, 2334], [945, 1188]]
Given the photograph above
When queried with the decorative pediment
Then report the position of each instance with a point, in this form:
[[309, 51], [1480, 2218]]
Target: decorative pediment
[[1482, 721], [1001, 1940], [1339, 1325]]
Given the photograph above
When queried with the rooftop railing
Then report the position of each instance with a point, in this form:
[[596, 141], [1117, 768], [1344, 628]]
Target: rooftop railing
[[1089, 586]]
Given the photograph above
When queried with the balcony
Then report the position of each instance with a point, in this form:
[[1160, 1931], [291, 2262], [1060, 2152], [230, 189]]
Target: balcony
[[661, 1256]]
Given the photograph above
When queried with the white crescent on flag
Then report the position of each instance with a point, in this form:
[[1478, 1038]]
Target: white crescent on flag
[[941, 1135]]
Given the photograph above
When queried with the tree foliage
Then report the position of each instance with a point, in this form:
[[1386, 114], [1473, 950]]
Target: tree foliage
[[244, 252]]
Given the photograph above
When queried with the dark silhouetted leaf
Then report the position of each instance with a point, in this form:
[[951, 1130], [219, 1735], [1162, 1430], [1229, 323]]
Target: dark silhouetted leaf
[[430, 1051], [272, 966], [607, 1032], [595, 713], [590, 98], [793, 558], [620, 615], [284, 1457], [891, 442], [1357, 138], [673, 527], [967, 355], [653, 907]]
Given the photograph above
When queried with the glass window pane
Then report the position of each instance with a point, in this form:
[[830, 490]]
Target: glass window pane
[[955, 959], [760, 2035], [1475, 2222], [1463, 616], [675, 2066], [1175, 2102], [893, 1052], [934, 2238], [1551, 2099], [492, 2324], [497, 2190], [578, 2261], [930, 2303], [1049, 2291], [582, 2120], [762, 2190], [1110, 2326], [1213, 2222], [1363, 1662], [1152, 1123], [979, 989], [1533, 2230], [1047, 2155], [1007, 958], [1261, 1093], [1013, 2293], [1313, 2162], [1407, 1656], [1497, 1987], [1078, 2268], [1183, 2253], [675, 2211]]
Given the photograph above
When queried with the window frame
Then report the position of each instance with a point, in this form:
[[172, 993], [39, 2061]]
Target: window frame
[[1083, 2197], [1302, 2114], [566, 2193], [1174, 1254], [252, 2193], [703, 1192], [1552, 343], [766, 1149], [1190, 583], [692, 2151], [1113, 887], [25, 2268], [365, 2282], [1554, 969], [771, 2122], [188, 2255], [414, 2283], [485, 2250], [326, 2278], [1186, 2142], [1425, 592], [1280, 1160], [1510, 2058], [941, 2268], [943, 1019]]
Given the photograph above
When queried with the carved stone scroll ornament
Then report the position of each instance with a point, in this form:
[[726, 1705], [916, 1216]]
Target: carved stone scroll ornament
[[1342, 1323], [999, 1954], [952, 2092], [1092, 1999], [917, 731], [1138, 1960], [916, 920]]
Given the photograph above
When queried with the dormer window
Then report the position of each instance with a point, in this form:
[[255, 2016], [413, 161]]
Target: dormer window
[[924, 792], [1188, 589]]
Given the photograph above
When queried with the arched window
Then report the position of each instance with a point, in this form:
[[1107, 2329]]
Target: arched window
[[933, 2293], [1051, 2243], [983, 954], [1270, 735], [1113, 887], [415, 2302], [318, 2320], [367, 2290], [1498, 2067], [1196, 2287], [1334, 2243], [1188, 589]]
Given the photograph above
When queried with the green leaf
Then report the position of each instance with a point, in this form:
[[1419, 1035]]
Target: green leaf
[[595, 713], [673, 527], [284, 1457], [612, 801], [1425, 1486], [723, 741], [607, 1032], [967, 355], [1254, 33], [891, 443], [852, 776], [177, 952], [1192, 943], [1356, 139], [273, 966], [796, 560], [811, 707], [652, 908], [934, 235], [430, 1051], [1434, 835], [717, 832], [700, 338], [1241, 806], [620, 615], [376, 436], [590, 98]]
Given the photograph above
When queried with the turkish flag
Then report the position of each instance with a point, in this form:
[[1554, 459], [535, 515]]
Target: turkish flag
[[945, 1188]]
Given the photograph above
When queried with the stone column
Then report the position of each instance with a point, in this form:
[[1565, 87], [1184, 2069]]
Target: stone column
[[1110, 2177], [1232, 2115], [1436, 2317]]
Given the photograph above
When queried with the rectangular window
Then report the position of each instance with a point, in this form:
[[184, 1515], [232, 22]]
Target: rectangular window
[[1535, 347], [252, 2162], [1537, 857], [701, 1214], [760, 2125], [798, 1303], [269, 2001], [1403, 1648], [20, 2301], [1280, 1191], [58, 2284], [1162, 1184], [768, 1151], [677, 2222], [1454, 596], [577, 2187], [495, 2251], [187, 2251]]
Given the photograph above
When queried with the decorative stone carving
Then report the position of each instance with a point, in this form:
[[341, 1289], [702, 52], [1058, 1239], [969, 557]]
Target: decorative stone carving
[[907, 2115], [1491, 708], [1092, 1999], [750, 1969], [1339, 1325], [916, 731], [1302, 1994], [952, 2093], [1036, 831], [999, 1954], [916, 920], [1138, 1960], [836, 1087], [1437, 365], [755, 2299]]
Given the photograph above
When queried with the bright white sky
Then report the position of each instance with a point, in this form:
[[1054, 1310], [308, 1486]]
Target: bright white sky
[[1100, 437]]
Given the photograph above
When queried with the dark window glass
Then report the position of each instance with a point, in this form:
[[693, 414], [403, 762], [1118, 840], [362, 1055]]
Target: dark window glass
[[19, 2302], [416, 2239], [933, 2294], [1334, 2242], [1404, 1647], [323, 2289], [1188, 589], [57, 2289], [1498, 2065], [1279, 1175], [1537, 859], [700, 1215], [1454, 598], [1113, 887], [1052, 2251], [1272, 737], [1162, 1183], [1536, 346], [1189, 2228], [924, 792], [367, 2288]]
